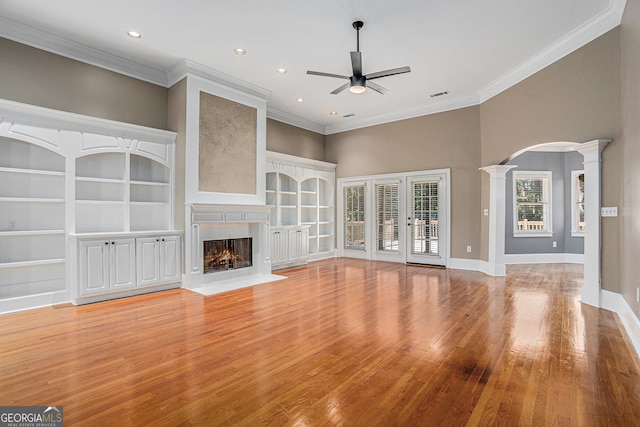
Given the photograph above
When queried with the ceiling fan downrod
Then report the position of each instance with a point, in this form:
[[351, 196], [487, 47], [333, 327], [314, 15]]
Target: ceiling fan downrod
[[357, 25]]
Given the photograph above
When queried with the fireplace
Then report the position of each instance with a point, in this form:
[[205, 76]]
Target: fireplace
[[226, 254]]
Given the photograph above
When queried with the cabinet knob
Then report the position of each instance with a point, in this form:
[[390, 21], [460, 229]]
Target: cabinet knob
[[157, 240], [163, 240], [106, 243]]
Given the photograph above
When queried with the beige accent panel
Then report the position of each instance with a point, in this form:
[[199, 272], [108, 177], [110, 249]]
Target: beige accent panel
[[630, 147], [177, 121], [33, 76], [227, 149], [287, 139], [444, 140]]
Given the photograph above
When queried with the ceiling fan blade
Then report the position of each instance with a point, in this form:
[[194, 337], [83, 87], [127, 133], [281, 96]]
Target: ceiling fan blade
[[341, 88], [386, 73], [356, 63], [377, 88], [319, 73]]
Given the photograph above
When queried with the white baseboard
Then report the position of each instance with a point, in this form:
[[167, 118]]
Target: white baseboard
[[544, 259], [464, 264], [48, 299], [615, 302]]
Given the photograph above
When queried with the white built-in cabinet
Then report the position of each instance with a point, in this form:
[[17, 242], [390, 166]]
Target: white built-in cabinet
[[289, 246], [158, 260], [106, 266], [301, 194], [76, 194]]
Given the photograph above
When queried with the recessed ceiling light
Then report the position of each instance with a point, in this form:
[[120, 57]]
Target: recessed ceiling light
[[282, 70], [300, 99], [134, 34], [334, 113], [239, 51]]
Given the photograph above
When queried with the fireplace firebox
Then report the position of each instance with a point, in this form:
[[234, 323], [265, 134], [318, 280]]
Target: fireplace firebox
[[227, 254]]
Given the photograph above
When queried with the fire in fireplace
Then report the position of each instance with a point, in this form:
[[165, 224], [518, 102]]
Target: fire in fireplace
[[227, 254]]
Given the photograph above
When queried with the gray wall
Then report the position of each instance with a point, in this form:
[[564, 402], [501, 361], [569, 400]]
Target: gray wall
[[560, 165]]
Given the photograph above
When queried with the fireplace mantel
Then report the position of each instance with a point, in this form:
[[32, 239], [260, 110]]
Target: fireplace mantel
[[229, 214]]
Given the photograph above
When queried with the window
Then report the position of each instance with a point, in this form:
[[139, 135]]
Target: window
[[387, 217], [354, 230], [577, 203], [532, 204]]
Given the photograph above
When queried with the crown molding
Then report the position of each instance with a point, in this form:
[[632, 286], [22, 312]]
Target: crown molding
[[80, 52], [584, 34], [186, 68], [424, 110], [290, 119]]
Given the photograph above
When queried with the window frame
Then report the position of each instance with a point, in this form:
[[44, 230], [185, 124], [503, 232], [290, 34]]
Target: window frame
[[575, 229], [547, 179]]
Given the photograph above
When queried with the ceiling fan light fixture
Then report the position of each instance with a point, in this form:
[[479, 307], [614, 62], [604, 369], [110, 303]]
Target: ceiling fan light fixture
[[358, 84], [357, 89]]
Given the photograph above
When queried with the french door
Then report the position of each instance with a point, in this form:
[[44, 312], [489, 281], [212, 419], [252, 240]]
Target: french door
[[400, 218], [426, 243]]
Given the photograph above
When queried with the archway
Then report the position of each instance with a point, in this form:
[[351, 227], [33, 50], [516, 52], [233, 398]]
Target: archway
[[591, 152]]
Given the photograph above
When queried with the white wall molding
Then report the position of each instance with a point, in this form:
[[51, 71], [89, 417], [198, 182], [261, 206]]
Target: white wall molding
[[551, 258], [615, 302], [464, 264], [10, 305]]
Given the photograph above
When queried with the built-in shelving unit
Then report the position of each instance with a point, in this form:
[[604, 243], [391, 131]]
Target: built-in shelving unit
[[301, 192], [66, 178], [32, 219]]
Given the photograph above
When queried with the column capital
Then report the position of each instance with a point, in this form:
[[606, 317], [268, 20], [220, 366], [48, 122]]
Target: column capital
[[592, 147], [498, 170]]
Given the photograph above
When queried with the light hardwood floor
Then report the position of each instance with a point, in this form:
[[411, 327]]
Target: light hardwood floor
[[340, 342]]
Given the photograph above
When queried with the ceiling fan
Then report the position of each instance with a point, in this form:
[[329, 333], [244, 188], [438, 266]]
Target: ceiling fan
[[358, 82]]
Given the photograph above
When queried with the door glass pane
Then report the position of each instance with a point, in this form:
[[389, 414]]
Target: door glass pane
[[425, 227], [387, 217], [354, 237]]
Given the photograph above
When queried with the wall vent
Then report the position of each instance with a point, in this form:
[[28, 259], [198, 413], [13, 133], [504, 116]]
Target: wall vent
[[434, 95]]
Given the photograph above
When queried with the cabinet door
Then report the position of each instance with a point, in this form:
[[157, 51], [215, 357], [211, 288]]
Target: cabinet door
[[279, 248], [170, 254], [94, 267], [122, 271], [304, 243], [298, 244], [148, 260]]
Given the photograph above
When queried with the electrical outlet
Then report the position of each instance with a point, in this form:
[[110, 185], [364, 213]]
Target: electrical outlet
[[555, 244], [486, 212], [469, 249]]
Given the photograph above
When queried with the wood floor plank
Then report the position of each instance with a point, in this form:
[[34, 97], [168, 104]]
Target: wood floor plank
[[340, 342]]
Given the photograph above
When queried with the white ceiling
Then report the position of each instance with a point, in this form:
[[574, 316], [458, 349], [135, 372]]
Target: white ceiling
[[473, 49]]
